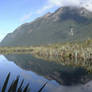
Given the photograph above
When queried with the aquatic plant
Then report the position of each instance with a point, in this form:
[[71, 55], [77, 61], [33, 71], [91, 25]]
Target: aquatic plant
[[15, 87], [71, 53]]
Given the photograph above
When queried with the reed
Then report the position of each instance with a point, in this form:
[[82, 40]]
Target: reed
[[14, 87]]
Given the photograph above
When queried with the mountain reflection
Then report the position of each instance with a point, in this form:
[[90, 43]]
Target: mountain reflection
[[65, 75]]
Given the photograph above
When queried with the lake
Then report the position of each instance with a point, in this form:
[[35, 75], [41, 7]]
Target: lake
[[38, 71]]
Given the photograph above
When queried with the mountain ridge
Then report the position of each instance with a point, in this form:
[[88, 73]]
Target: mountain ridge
[[65, 24]]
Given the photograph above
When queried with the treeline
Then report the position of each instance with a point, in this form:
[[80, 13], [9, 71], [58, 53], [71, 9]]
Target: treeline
[[16, 50]]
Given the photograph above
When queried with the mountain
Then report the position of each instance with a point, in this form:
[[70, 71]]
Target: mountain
[[65, 24]]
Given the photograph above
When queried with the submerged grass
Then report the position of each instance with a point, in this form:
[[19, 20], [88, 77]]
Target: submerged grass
[[14, 87]]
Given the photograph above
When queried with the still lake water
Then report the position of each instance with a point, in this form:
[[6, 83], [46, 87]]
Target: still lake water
[[36, 71]]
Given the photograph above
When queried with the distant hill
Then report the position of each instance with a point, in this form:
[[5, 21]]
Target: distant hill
[[65, 24]]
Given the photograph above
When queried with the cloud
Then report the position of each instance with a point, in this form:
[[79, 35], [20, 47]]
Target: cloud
[[61, 3], [70, 2], [26, 17], [44, 9], [64, 2], [88, 5]]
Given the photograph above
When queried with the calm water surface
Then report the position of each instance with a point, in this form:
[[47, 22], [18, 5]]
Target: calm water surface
[[36, 72]]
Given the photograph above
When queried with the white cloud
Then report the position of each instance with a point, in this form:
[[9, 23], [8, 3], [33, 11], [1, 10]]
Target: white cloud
[[60, 3], [64, 2], [26, 17], [88, 5], [44, 9], [68, 2]]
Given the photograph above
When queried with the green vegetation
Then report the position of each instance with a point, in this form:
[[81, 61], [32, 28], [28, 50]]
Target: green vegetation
[[74, 53], [16, 50], [15, 87], [64, 25]]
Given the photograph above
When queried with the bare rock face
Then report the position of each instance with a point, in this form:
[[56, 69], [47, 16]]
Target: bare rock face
[[47, 15]]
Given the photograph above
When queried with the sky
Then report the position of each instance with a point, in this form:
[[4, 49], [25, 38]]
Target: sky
[[13, 13]]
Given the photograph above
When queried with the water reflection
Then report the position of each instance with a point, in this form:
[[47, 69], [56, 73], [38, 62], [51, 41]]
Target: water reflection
[[66, 75], [41, 67], [35, 80]]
